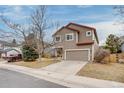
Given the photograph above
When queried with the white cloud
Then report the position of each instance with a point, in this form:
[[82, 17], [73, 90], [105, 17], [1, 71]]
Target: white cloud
[[106, 28]]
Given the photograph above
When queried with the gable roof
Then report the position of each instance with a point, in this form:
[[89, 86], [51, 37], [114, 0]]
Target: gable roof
[[71, 23], [7, 50], [67, 27]]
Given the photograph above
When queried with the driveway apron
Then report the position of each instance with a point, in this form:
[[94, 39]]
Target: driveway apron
[[65, 67]]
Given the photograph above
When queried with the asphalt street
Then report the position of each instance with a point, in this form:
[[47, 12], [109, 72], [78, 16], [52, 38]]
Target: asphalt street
[[12, 79]]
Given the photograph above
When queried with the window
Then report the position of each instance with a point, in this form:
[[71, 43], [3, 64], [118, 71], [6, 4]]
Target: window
[[69, 37], [58, 38], [88, 33]]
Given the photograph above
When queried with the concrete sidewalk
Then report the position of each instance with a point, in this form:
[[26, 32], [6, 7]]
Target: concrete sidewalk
[[64, 79]]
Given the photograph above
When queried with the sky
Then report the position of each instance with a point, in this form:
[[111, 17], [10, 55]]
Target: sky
[[101, 17]]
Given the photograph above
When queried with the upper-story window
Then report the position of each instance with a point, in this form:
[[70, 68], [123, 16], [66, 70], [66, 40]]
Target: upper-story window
[[58, 38], [69, 37], [88, 33]]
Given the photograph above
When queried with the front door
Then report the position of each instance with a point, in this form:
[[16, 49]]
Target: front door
[[59, 52]]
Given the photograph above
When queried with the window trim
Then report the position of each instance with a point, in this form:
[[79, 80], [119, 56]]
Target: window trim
[[87, 35], [56, 37], [69, 34]]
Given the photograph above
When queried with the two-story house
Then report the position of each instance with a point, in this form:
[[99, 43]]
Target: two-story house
[[76, 42]]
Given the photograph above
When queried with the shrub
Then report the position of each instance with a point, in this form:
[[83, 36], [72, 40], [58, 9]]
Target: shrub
[[100, 55], [47, 55], [29, 54]]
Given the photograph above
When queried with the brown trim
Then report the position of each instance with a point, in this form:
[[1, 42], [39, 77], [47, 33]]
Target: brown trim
[[80, 25], [85, 43], [96, 36], [58, 30]]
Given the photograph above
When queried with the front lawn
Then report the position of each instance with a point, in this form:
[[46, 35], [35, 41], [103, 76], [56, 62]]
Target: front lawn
[[36, 64], [113, 71]]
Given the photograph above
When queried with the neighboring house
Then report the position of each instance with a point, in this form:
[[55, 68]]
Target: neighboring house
[[76, 42], [10, 53], [6, 47], [122, 41]]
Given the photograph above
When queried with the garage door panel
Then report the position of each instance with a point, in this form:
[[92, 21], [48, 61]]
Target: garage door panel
[[79, 55]]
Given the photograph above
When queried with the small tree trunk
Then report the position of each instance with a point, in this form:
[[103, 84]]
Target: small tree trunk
[[39, 53], [117, 60], [40, 57]]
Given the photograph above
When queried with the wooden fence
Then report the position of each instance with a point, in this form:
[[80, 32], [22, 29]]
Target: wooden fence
[[112, 58]]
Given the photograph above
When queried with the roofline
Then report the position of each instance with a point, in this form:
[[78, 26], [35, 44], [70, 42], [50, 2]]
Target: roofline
[[58, 30], [96, 36], [80, 25], [11, 50]]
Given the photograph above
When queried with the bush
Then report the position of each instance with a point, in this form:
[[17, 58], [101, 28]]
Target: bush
[[29, 54], [47, 55], [100, 55]]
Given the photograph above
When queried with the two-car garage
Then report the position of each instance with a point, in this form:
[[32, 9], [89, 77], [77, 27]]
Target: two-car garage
[[77, 54]]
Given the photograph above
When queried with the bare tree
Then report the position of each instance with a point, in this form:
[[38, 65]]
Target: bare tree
[[4, 34], [39, 26], [56, 25], [19, 30]]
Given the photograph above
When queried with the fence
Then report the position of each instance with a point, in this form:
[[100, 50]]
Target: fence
[[112, 58]]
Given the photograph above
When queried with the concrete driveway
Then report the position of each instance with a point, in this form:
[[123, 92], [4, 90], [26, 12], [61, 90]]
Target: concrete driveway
[[66, 67]]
